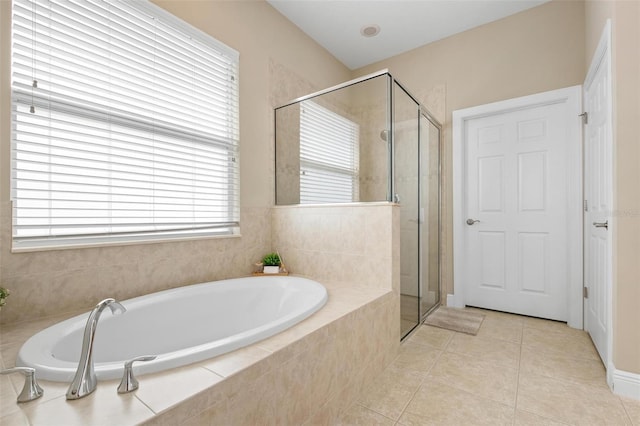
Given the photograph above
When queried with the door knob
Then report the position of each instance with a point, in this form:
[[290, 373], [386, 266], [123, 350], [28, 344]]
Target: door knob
[[604, 224], [471, 221]]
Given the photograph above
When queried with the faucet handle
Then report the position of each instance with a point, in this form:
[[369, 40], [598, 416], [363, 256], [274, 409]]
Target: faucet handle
[[128, 382], [31, 390]]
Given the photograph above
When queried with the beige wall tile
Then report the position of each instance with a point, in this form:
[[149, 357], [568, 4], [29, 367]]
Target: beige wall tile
[[104, 406], [161, 391], [229, 364], [336, 242], [214, 415], [258, 403]]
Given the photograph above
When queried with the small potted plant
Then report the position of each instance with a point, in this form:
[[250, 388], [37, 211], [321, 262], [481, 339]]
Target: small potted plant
[[4, 293], [271, 263]]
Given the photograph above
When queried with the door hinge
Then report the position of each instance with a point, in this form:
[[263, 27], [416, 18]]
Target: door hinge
[[586, 206], [585, 292], [585, 117]]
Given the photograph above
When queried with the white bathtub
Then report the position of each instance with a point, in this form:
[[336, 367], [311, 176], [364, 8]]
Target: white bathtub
[[180, 326]]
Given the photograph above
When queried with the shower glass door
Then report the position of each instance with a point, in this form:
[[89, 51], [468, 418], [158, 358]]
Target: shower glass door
[[416, 172], [406, 134], [429, 215]]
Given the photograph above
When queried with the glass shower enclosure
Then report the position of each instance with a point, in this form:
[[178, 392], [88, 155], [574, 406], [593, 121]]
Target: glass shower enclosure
[[363, 141]]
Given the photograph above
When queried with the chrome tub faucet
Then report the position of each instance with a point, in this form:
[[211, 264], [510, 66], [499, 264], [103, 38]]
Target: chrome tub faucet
[[85, 380], [31, 390]]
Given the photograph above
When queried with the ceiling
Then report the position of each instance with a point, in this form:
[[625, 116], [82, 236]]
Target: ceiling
[[404, 24]]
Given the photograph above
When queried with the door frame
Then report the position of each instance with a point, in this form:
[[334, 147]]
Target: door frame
[[572, 97]]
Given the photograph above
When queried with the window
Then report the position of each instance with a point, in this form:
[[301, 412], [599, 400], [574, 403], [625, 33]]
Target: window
[[125, 125], [328, 156]]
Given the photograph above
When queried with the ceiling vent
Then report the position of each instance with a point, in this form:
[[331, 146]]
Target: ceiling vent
[[370, 30]]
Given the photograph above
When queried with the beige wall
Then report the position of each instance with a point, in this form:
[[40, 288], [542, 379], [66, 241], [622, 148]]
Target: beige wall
[[534, 51], [49, 282], [625, 28]]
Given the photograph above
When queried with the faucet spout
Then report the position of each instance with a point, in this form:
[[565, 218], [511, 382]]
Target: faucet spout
[[85, 380]]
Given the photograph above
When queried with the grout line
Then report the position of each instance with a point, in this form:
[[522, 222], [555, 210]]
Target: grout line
[[624, 407], [555, 420], [154, 413], [425, 378], [413, 395], [373, 411], [515, 405], [446, 347]]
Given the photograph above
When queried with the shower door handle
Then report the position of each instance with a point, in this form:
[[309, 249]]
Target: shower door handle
[[471, 221]]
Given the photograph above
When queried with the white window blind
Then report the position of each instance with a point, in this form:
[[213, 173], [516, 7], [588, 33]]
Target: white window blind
[[329, 156], [125, 125]]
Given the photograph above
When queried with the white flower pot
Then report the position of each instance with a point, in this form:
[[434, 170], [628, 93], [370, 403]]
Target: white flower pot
[[271, 269]]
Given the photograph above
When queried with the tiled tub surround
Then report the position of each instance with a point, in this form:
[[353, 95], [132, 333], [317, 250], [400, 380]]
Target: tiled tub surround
[[308, 373]]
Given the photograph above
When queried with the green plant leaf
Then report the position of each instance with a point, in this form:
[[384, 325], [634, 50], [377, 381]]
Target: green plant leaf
[[271, 259]]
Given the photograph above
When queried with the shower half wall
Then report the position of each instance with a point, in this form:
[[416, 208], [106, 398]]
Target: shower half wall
[[370, 140]]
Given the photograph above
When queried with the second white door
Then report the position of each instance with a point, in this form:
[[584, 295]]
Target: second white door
[[516, 257], [598, 198]]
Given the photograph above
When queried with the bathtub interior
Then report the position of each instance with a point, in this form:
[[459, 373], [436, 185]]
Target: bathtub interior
[[181, 325]]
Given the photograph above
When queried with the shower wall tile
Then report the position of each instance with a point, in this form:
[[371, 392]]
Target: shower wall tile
[[356, 244], [46, 283]]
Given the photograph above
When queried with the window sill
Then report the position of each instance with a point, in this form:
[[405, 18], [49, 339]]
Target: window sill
[[142, 241]]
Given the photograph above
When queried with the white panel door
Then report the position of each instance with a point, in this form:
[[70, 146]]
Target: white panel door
[[598, 203], [516, 211]]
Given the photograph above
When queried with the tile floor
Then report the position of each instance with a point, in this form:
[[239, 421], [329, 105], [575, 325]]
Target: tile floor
[[516, 371]]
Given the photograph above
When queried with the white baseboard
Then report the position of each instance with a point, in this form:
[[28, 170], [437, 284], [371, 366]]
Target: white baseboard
[[454, 302], [626, 384]]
